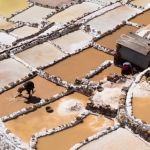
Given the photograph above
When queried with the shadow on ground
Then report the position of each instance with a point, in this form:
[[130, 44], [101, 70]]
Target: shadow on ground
[[32, 99]]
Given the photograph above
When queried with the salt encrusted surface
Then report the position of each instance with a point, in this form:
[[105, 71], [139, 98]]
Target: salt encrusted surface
[[36, 14], [109, 96], [109, 20], [120, 139], [8, 141], [71, 42], [6, 38]]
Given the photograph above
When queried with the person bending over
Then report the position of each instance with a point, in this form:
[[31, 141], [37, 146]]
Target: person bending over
[[28, 86], [126, 69]]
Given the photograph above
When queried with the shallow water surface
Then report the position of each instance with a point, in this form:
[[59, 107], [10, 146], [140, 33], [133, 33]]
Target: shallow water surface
[[65, 139]]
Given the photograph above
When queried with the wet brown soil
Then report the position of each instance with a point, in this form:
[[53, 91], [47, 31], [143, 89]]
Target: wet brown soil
[[142, 18], [43, 89], [25, 126], [106, 72], [9, 7], [110, 40], [69, 137], [78, 65], [141, 107]]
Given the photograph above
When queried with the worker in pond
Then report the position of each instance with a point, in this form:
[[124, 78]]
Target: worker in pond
[[126, 69], [28, 86]]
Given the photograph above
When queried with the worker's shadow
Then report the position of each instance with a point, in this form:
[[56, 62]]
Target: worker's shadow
[[32, 99]]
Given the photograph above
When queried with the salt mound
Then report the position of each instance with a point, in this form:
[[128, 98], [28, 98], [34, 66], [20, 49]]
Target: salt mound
[[70, 107], [109, 96]]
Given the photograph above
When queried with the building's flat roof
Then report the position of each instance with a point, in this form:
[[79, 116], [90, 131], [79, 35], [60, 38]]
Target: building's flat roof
[[135, 42]]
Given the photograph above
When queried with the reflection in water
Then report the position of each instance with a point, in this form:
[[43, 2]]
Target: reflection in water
[[69, 137]]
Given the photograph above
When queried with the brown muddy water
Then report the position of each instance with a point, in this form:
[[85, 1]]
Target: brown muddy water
[[110, 40], [65, 139], [5, 24], [141, 107], [8, 7], [142, 18], [78, 65], [27, 125], [43, 89], [106, 72]]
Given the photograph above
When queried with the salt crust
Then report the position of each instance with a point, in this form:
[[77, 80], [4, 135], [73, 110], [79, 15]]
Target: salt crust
[[116, 140], [70, 107], [36, 14], [4, 55]]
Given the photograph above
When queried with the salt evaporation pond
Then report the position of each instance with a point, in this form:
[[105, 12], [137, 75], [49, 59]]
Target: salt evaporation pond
[[73, 12], [11, 70], [106, 72], [44, 53], [78, 65], [73, 41], [142, 18], [36, 14], [120, 139], [110, 20], [9, 7], [110, 40], [65, 110], [25, 31], [53, 3], [6, 25], [43, 89], [65, 139], [6, 38], [142, 3]]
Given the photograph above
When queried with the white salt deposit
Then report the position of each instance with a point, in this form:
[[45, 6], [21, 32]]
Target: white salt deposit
[[70, 107], [120, 139], [33, 14], [109, 96], [141, 90], [6, 39]]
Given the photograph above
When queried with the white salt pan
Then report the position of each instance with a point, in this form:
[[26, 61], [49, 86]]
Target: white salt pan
[[109, 96], [110, 20], [73, 41], [33, 14], [117, 140], [6, 39], [141, 90]]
